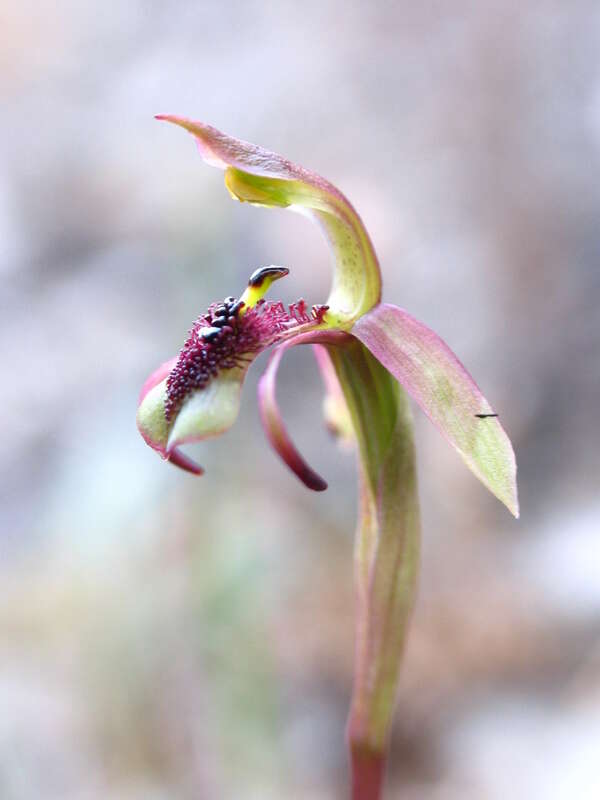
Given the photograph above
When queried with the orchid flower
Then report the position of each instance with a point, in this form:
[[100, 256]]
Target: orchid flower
[[371, 355]]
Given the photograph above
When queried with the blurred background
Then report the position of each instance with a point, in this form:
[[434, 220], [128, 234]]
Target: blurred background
[[163, 636]]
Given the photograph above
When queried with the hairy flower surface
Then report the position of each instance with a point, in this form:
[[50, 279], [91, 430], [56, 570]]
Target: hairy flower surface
[[368, 353], [193, 396]]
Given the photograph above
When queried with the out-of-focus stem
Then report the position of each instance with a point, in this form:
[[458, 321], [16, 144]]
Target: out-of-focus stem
[[367, 774]]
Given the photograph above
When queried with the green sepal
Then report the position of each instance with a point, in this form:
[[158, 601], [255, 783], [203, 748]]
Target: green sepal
[[387, 542], [257, 176]]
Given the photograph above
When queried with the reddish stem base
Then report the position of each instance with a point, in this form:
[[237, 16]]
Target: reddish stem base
[[368, 770]]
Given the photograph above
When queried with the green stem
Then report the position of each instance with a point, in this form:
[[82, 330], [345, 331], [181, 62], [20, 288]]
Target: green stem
[[386, 554], [367, 774]]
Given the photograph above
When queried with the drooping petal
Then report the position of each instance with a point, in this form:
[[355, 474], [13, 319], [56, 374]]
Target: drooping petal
[[435, 378], [255, 175], [276, 431], [271, 417]]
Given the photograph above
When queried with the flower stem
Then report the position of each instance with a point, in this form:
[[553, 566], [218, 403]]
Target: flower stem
[[367, 773], [386, 555]]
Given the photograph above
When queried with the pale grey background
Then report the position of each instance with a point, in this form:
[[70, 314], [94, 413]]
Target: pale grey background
[[168, 637]]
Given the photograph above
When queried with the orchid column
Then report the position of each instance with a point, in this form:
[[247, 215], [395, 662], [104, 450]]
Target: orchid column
[[375, 351]]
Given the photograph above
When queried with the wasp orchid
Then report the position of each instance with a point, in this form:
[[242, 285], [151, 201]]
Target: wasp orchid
[[372, 355]]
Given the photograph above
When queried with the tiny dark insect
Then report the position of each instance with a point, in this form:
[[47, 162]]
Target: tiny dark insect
[[485, 416]]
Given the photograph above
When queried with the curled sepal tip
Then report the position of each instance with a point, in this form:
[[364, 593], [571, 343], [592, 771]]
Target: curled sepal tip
[[257, 176], [271, 416], [187, 464]]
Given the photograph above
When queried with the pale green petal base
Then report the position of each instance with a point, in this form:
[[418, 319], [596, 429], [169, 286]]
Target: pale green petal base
[[151, 420], [208, 412]]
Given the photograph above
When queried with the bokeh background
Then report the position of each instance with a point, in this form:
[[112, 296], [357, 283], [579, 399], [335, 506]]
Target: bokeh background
[[163, 636]]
